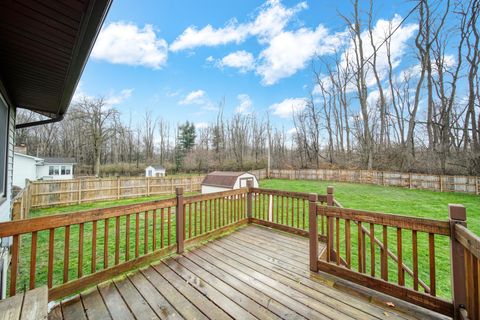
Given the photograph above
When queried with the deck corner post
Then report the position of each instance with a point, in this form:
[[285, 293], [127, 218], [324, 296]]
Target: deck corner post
[[249, 200], [180, 220], [457, 215], [330, 202], [313, 231]]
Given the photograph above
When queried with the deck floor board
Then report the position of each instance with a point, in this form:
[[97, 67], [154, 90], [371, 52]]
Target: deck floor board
[[252, 273]]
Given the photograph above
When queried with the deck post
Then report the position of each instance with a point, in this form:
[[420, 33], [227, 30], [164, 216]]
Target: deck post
[[330, 202], [457, 215], [249, 200], [313, 231], [180, 220]]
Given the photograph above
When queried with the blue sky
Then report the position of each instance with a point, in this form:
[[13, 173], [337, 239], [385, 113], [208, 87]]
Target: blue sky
[[179, 59]]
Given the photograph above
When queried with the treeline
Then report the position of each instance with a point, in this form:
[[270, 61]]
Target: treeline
[[368, 110], [420, 114]]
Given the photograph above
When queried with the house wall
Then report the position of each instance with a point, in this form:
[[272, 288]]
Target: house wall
[[43, 172], [25, 168], [5, 212], [154, 173]]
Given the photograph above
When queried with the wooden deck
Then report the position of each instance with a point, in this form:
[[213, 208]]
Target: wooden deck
[[253, 273]]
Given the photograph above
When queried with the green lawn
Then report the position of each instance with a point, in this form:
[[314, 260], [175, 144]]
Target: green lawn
[[418, 203]]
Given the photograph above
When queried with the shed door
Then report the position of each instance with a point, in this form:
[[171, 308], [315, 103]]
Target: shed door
[[243, 182]]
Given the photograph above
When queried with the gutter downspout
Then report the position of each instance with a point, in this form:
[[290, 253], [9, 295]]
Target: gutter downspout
[[37, 123]]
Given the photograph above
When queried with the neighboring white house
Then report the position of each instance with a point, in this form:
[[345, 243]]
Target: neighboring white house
[[154, 171], [56, 169], [25, 168], [227, 180], [35, 168]]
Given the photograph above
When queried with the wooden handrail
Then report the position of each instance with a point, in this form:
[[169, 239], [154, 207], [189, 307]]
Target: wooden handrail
[[468, 239], [386, 219]]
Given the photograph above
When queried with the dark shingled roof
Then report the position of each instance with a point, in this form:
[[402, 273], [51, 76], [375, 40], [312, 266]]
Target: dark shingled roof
[[58, 160], [224, 179], [158, 167]]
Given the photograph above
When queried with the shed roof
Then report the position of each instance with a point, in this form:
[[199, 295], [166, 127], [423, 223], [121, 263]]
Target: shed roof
[[157, 167], [44, 48], [224, 179]]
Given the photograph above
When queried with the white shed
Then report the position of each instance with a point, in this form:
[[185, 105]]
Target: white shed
[[218, 181], [155, 171]]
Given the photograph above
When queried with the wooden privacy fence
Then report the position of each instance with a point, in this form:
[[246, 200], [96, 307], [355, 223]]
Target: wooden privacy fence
[[67, 192], [443, 183]]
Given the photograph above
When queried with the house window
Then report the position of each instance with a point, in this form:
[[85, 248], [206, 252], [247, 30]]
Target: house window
[[63, 170], [50, 170], [3, 147], [56, 171], [68, 171]]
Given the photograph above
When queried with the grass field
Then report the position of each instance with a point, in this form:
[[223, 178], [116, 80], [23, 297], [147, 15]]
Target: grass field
[[417, 203]]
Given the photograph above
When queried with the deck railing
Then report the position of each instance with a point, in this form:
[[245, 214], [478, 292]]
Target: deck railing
[[70, 252], [374, 250], [398, 255]]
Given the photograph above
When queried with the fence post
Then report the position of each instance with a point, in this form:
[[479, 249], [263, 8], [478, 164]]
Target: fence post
[[457, 215], [118, 187], [330, 202], [180, 220], [313, 230], [148, 186], [79, 196], [249, 200]]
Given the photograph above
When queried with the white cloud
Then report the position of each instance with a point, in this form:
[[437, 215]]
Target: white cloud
[[271, 20], [398, 46], [201, 125], [114, 98], [289, 52], [288, 107], [242, 60], [210, 59], [292, 131], [199, 97], [126, 43], [245, 104], [194, 97]]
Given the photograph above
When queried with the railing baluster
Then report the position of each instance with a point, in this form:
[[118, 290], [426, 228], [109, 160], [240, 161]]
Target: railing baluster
[[137, 233], [287, 209], [337, 239], [415, 259], [33, 259], [360, 251], [145, 232], [298, 213], [51, 254], [372, 249], [201, 215], [348, 252], [384, 269], [127, 238], [66, 253], [93, 267], [105, 244], [189, 219], [117, 240], [303, 215], [169, 225], [401, 274], [195, 217], [431, 251], [14, 265], [81, 232], [154, 230], [162, 227]]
